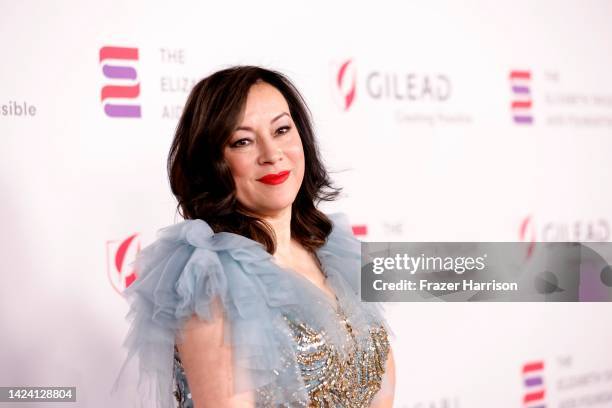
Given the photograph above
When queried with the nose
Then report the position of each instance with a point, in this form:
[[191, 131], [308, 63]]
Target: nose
[[269, 151]]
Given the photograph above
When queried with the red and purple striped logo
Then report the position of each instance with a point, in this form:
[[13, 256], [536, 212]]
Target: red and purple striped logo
[[520, 82], [533, 380], [118, 67]]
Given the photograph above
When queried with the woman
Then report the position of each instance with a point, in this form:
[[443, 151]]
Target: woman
[[253, 300]]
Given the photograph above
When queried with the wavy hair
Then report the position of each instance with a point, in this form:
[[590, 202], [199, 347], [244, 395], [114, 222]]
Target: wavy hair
[[201, 180]]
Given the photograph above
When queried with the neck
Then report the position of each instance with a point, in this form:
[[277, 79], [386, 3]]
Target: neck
[[281, 224]]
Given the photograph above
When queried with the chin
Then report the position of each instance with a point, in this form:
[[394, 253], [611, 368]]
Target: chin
[[275, 204], [266, 200], [278, 205]]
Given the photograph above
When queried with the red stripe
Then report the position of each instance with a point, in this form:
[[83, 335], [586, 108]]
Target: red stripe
[[129, 279], [349, 98], [360, 229], [121, 251], [341, 72], [533, 367], [521, 104], [115, 91], [520, 75], [534, 396], [118, 53]]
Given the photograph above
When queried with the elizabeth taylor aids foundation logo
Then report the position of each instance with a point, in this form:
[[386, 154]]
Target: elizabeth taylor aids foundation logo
[[121, 89], [534, 392], [521, 105]]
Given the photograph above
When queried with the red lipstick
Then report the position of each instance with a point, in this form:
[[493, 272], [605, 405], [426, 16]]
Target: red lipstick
[[274, 178]]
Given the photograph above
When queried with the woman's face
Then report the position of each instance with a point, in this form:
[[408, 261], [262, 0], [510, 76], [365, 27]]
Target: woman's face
[[265, 153]]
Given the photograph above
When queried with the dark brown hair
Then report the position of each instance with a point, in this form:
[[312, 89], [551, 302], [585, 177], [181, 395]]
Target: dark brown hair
[[201, 179]]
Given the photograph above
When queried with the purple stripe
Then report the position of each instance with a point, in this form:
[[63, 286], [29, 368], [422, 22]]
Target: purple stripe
[[122, 111], [539, 406], [530, 382], [520, 89], [523, 119], [111, 71]]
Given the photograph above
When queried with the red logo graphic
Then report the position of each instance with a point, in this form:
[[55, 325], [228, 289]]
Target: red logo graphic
[[119, 255], [345, 84]]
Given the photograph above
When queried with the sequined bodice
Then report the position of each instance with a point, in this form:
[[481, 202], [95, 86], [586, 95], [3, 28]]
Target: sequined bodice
[[330, 380]]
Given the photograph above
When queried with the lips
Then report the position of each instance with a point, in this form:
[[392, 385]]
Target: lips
[[274, 178]]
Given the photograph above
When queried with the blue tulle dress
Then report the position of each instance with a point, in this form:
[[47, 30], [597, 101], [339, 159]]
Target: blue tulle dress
[[292, 344]]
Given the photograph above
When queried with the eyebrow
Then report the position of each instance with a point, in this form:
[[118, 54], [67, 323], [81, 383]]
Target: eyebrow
[[272, 121]]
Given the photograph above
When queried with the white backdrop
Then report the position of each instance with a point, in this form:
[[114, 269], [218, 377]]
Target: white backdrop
[[415, 107]]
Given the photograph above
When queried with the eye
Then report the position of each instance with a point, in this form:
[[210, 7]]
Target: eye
[[241, 142], [282, 130]]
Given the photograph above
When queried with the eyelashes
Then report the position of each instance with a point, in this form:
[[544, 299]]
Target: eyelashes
[[285, 128], [245, 141], [240, 143]]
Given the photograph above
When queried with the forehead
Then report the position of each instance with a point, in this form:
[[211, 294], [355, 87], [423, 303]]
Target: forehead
[[264, 102]]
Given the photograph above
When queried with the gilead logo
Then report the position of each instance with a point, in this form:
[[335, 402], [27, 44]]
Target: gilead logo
[[122, 82], [596, 230], [390, 86], [120, 255]]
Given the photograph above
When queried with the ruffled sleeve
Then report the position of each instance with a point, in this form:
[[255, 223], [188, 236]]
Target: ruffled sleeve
[[180, 275]]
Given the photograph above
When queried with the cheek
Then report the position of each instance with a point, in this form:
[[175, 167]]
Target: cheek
[[295, 152], [239, 166], [299, 160], [300, 163], [241, 170]]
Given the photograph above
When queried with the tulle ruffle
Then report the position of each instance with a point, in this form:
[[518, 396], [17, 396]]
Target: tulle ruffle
[[189, 266]]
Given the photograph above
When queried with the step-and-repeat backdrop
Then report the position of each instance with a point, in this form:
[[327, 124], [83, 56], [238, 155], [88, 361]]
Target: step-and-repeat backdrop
[[442, 121]]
